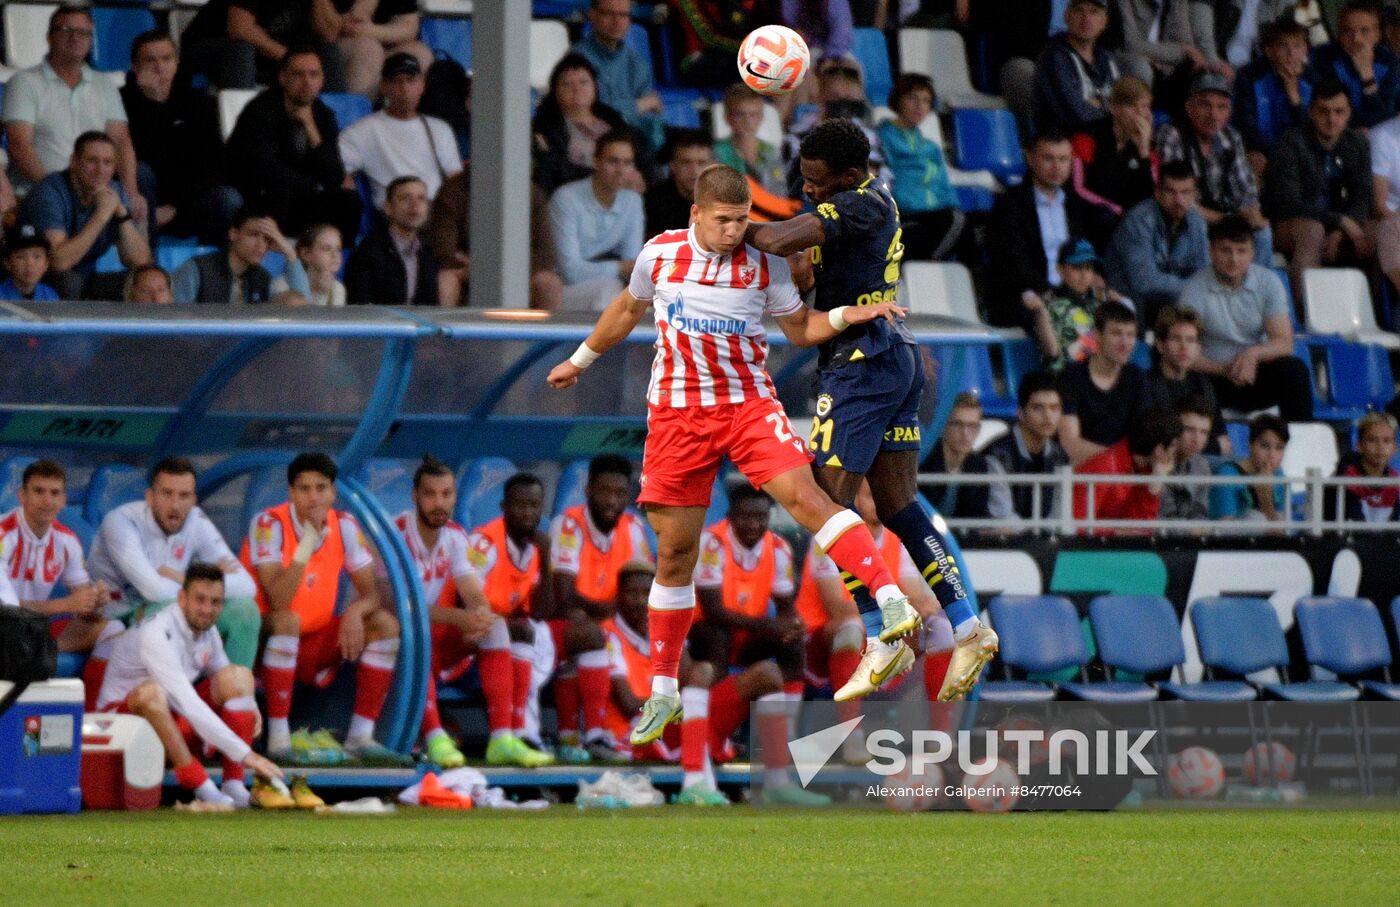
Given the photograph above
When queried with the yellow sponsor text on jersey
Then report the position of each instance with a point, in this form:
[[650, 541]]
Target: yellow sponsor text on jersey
[[903, 434]]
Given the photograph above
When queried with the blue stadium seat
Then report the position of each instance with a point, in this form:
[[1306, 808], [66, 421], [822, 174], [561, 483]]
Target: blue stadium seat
[[1241, 636], [72, 517], [171, 256], [1346, 636], [986, 139], [110, 262], [348, 108], [479, 488], [1292, 305], [275, 263], [11, 472], [1137, 634], [1019, 358], [570, 490], [1040, 634], [267, 487], [448, 37], [874, 56], [1238, 433], [975, 198], [111, 486], [679, 107], [557, 9], [1359, 375], [391, 483], [114, 30]]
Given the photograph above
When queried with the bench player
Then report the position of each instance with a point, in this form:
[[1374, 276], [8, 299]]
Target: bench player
[[710, 396], [867, 421]]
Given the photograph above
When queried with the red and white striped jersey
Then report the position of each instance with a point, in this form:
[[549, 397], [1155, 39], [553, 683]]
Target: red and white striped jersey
[[35, 563], [447, 559], [710, 341]]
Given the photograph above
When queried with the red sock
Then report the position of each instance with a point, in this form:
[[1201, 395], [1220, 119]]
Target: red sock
[[855, 552], [843, 664], [566, 703], [594, 685], [520, 691], [727, 712], [667, 629], [93, 673], [191, 774], [794, 688], [277, 683], [432, 719], [497, 683], [771, 721], [241, 723], [940, 714], [695, 732], [371, 689]]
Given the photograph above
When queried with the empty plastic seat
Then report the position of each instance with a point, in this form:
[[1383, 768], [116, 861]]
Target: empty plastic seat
[[1311, 445], [11, 474], [549, 42], [448, 37], [1338, 301], [988, 140], [231, 104], [874, 56], [940, 55], [115, 29], [111, 486], [171, 257], [391, 483], [72, 517], [348, 108], [570, 490], [267, 487], [1346, 636], [480, 484], [1241, 636], [1040, 634], [446, 7], [939, 288], [991, 430], [680, 107], [26, 31], [1359, 375]]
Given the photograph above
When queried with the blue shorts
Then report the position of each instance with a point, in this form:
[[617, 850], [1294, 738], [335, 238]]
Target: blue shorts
[[867, 407]]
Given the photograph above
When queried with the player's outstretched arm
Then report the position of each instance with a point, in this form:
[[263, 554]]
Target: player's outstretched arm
[[808, 327], [784, 237], [618, 320]]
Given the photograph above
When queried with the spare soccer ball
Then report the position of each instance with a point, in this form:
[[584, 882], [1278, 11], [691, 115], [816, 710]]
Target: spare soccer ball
[[994, 792], [911, 793], [1196, 773], [773, 59], [1260, 768]]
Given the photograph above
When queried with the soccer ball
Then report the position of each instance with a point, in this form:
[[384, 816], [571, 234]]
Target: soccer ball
[[911, 793], [773, 59], [1195, 773], [993, 792], [1259, 768]]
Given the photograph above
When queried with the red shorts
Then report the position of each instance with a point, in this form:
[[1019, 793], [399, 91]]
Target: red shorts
[[450, 656], [318, 655], [206, 692], [685, 446]]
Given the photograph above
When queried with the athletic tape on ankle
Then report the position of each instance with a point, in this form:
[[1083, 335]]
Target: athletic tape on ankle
[[671, 598], [839, 524]]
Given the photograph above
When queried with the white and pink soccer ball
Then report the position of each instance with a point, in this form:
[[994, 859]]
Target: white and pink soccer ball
[[994, 792], [1195, 773], [911, 793], [773, 60], [1263, 765]]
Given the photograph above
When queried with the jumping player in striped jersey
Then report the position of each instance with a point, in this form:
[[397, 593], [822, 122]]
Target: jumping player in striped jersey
[[710, 396]]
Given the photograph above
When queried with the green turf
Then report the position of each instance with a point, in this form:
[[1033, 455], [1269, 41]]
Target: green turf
[[734, 857]]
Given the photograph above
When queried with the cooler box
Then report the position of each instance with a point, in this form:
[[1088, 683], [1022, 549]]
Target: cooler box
[[123, 762], [40, 748]]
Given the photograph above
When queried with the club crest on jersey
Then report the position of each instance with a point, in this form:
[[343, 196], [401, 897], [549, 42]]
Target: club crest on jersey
[[747, 273], [824, 404]]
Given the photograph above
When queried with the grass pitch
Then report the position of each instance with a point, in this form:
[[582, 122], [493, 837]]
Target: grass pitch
[[732, 857]]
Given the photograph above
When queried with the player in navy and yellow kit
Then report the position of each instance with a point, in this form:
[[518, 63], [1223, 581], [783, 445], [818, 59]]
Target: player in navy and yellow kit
[[871, 384]]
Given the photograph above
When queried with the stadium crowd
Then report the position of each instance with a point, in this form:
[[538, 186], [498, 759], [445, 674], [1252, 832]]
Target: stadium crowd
[[1174, 153]]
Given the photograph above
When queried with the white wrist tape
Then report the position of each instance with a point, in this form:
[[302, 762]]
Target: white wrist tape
[[584, 356], [835, 316]]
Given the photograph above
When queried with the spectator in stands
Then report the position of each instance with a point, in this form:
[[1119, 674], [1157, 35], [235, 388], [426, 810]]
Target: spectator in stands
[[1247, 335], [1102, 396], [1160, 242], [667, 203], [397, 140], [1029, 447], [26, 263], [1029, 223], [1165, 38], [448, 97], [449, 236], [825, 25], [597, 225], [393, 265], [368, 32], [1062, 317], [568, 124], [1075, 73], [235, 274], [318, 257], [1260, 499], [1114, 157], [243, 43], [1272, 94], [626, 82], [1225, 181], [1235, 29], [1369, 72], [760, 161], [178, 147], [1375, 448], [1385, 177], [841, 95], [149, 285], [954, 455], [1149, 448], [1182, 501], [83, 212], [1176, 335], [284, 153], [711, 31], [1320, 189], [928, 206], [48, 106], [144, 548]]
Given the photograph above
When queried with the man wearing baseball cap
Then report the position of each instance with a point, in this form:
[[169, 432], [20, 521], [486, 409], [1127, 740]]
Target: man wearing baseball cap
[[397, 140], [1217, 154], [1063, 316]]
